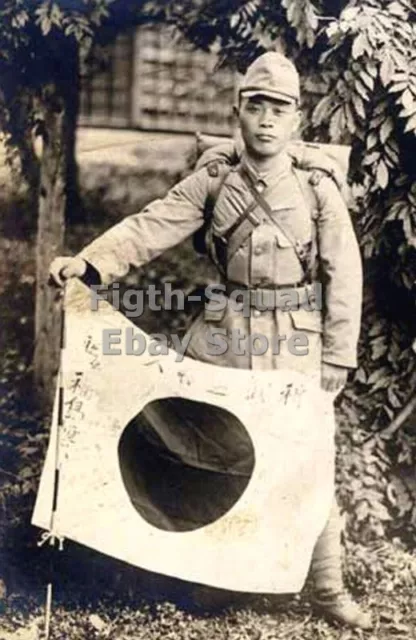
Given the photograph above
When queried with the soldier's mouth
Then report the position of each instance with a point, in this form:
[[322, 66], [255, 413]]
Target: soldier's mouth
[[264, 137]]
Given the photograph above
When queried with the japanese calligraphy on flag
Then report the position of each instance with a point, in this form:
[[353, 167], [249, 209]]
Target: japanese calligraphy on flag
[[214, 475]]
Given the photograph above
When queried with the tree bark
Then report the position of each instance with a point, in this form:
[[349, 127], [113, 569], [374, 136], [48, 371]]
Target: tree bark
[[57, 190], [49, 244], [74, 207]]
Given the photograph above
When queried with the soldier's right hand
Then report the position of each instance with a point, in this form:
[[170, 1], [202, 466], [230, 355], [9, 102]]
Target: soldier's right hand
[[63, 268]]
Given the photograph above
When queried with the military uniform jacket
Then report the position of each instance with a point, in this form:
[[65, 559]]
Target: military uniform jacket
[[266, 259]]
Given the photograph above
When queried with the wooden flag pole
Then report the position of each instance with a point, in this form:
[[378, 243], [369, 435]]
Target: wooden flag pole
[[50, 535]]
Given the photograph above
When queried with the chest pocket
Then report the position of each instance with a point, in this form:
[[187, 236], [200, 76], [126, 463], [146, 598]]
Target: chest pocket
[[293, 242], [281, 240], [297, 223]]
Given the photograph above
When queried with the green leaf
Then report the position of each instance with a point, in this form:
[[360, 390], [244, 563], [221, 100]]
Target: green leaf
[[337, 124], [372, 140], [405, 457], [407, 100], [234, 20], [383, 20], [409, 230], [381, 107], [362, 511], [45, 25], [377, 328], [360, 88], [389, 163], [367, 79], [20, 19], [378, 347], [392, 151], [291, 11], [372, 70], [360, 46], [397, 9], [380, 511], [394, 401], [380, 375], [388, 412], [411, 124], [321, 111], [370, 158], [387, 69], [407, 113], [56, 15], [382, 175], [386, 129], [350, 14], [398, 87], [358, 106], [377, 121], [360, 375], [349, 118]]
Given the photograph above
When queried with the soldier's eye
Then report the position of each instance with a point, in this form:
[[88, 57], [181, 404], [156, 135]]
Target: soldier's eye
[[281, 111]]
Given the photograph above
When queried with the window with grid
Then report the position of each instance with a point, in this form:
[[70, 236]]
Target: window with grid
[[106, 96], [152, 82], [177, 88]]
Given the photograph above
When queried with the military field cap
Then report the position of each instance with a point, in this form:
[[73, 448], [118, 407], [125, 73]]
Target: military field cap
[[272, 75]]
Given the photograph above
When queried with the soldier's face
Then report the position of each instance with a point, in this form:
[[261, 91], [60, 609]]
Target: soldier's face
[[266, 124]]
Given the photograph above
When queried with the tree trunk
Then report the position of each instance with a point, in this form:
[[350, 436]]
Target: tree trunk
[[74, 207], [56, 192], [49, 244]]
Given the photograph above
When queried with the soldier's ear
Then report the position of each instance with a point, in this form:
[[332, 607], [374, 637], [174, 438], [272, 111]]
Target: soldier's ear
[[296, 122]]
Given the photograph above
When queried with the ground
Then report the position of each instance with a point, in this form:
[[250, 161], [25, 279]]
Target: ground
[[98, 597]]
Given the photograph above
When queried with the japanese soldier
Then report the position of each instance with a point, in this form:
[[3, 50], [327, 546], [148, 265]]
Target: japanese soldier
[[275, 232]]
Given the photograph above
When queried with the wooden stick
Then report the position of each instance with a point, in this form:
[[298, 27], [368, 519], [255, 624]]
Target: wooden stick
[[405, 413], [48, 610], [394, 426], [52, 538]]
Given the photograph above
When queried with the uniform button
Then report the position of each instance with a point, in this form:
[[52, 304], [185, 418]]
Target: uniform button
[[260, 186], [258, 250], [257, 313]]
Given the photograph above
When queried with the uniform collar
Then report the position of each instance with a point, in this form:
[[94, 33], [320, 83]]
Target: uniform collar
[[281, 166]]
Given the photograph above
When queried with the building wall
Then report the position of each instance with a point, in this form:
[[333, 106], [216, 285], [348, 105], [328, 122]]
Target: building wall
[[155, 83]]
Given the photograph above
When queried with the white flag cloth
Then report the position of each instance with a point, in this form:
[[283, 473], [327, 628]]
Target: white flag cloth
[[226, 478]]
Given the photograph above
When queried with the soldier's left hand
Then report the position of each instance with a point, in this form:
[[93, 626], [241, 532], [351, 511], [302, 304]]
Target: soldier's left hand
[[333, 378]]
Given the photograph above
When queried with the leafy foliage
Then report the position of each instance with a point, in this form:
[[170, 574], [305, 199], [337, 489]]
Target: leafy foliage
[[371, 104], [358, 64]]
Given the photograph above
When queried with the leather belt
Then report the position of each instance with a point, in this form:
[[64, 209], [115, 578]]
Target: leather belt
[[286, 297], [273, 287]]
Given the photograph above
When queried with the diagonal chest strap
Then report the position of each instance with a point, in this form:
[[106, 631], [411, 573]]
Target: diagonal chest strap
[[262, 202], [240, 234]]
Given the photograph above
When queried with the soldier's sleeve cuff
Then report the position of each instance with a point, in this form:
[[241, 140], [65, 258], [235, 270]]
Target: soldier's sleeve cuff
[[91, 276], [337, 361]]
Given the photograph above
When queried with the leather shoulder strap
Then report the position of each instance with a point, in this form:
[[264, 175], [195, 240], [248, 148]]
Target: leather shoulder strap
[[307, 181], [218, 172]]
